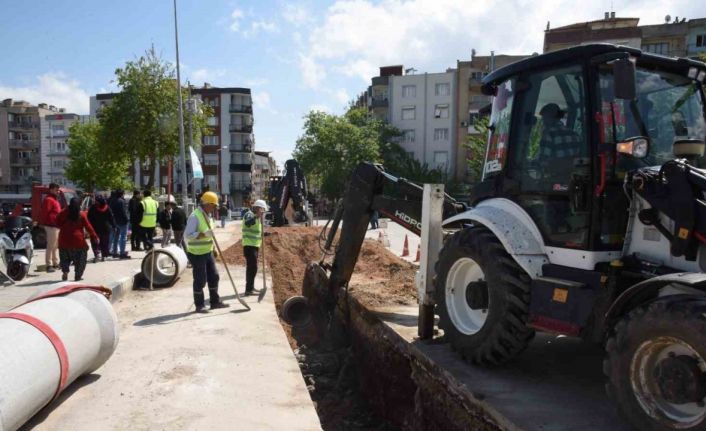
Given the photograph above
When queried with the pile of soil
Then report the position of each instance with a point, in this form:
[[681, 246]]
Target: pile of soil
[[380, 279]]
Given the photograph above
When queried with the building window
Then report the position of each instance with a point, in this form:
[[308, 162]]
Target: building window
[[441, 134], [480, 98], [165, 180], [409, 91], [408, 136], [656, 48], [210, 140], [441, 160], [441, 111], [442, 89], [212, 121], [701, 40], [408, 113], [410, 154], [477, 75], [210, 159]]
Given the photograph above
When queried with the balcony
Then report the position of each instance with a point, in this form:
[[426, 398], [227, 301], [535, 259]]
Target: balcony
[[239, 109], [240, 128], [242, 148], [241, 186], [27, 125], [379, 102], [240, 167], [59, 134], [381, 80], [23, 143], [24, 161]]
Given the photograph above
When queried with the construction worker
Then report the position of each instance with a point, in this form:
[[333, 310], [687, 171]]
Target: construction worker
[[199, 249], [149, 219], [252, 240]]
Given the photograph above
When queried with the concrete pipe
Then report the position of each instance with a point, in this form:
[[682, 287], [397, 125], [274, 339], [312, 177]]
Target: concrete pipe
[[48, 343], [169, 263]]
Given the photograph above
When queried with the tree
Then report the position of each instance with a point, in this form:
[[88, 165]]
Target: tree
[[331, 147], [90, 167], [142, 121], [476, 146]]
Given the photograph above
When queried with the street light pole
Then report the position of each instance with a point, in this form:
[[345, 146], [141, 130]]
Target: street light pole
[[182, 151]]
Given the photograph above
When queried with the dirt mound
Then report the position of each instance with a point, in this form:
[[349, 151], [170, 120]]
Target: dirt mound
[[380, 277]]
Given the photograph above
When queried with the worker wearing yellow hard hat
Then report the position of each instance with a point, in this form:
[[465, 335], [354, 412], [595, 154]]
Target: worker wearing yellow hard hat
[[198, 236]]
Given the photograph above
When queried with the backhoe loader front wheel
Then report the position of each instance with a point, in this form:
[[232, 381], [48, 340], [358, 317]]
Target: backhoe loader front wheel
[[482, 298], [656, 365]]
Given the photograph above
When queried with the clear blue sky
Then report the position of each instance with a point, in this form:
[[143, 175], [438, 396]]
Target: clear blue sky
[[295, 55]]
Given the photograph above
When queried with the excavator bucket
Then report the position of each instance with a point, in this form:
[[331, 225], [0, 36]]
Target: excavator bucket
[[297, 310]]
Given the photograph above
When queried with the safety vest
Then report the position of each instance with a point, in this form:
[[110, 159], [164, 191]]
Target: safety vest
[[149, 215], [252, 235], [202, 245]]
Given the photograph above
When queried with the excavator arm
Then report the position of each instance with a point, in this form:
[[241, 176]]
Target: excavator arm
[[291, 186], [369, 189]]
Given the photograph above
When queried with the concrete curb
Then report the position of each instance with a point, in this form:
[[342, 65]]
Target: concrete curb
[[124, 285]]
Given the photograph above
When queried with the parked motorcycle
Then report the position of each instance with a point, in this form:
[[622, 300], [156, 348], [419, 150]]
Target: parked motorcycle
[[16, 246]]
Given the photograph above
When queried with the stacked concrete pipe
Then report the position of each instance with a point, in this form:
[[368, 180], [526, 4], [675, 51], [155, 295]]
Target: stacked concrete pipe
[[48, 343], [169, 263]]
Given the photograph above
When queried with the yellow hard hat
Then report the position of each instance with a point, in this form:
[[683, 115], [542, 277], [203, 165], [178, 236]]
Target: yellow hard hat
[[209, 198]]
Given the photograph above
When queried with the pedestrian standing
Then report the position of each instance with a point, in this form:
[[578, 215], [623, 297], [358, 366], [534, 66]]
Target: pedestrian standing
[[148, 220], [199, 249], [164, 218], [122, 221], [252, 240], [135, 210], [223, 214], [178, 223], [101, 218], [48, 219], [374, 220], [72, 240]]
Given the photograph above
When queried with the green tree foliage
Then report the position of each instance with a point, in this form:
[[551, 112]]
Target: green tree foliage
[[90, 167], [476, 145], [330, 147], [142, 121]]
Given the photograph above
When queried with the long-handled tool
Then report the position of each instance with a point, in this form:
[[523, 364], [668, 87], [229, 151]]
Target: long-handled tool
[[223, 259], [264, 277]]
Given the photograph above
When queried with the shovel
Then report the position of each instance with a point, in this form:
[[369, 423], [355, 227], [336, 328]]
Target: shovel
[[223, 259]]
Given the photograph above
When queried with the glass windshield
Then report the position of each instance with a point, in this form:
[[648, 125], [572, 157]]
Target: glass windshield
[[668, 108], [499, 129]]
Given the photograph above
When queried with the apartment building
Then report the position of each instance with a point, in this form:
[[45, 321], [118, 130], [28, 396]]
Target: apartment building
[[676, 37], [54, 153], [264, 167], [226, 154], [472, 103], [422, 106], [20, 144]]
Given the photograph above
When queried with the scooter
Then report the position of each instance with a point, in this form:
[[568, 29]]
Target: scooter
[[16, 246]]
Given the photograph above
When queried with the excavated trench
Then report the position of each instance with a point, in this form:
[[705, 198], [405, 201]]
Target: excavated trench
[[367, 377]]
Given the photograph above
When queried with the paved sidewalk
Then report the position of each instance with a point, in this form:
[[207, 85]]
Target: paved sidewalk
[[178, 370]]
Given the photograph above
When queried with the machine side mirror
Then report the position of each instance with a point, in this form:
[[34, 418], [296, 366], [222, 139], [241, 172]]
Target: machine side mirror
[[637, 147], [624, 79]]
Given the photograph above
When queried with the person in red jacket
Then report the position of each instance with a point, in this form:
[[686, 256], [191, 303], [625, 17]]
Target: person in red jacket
[[72, 240], [47, 218]]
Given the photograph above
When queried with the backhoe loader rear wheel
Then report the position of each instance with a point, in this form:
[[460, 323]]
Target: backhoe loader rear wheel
[[656, 365], [482, 298]]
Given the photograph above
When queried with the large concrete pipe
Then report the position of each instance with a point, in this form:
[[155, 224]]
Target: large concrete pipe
[[169, 263], [48, 343]]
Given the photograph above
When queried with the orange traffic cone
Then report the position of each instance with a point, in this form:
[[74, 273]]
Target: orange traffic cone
[[405, 248], [419, 253]]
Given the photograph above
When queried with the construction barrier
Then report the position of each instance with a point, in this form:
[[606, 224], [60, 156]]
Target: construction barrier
[[383, 239], [49, 342]]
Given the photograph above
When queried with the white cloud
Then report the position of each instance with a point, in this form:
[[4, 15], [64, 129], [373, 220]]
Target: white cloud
[[342, 96], [260, 26], [236, 19], [296, 14], [313, 73], [355, 37], [54, 88], [199, 76], [261, 101]]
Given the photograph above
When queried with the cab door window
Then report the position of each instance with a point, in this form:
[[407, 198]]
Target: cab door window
[[551, 161]]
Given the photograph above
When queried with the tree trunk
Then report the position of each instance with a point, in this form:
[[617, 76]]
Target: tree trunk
[[152, 169]]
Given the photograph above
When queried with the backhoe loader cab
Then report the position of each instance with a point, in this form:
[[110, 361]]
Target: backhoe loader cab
[[591, 221]]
